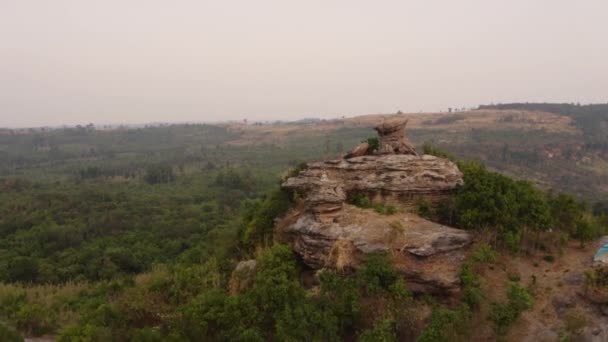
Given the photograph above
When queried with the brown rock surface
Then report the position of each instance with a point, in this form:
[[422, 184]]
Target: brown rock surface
[[389, 176], [392, 138], [426, 253], [328, 233]]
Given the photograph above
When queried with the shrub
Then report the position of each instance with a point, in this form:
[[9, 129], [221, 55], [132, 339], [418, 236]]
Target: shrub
[[377, 272], [360, 200], [471, 286], [429, 149], [373, 144], [341, 296], [35, 319], [549, 258], [484, 254], [447, 325], [306, 322], [258, 217], [491, 200], [9, 335], [383, 331], [502, 315]]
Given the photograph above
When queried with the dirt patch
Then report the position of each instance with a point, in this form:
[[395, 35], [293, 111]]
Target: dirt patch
[[557, 287]]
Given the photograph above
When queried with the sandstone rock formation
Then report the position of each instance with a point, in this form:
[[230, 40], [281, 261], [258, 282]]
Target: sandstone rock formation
[[327, 232], [361, 150], [392, 138]]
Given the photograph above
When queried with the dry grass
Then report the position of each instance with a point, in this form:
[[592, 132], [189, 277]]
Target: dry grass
[[479, 119], [341, 255]]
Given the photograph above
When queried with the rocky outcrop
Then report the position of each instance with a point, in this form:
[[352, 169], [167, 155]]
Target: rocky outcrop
[[398, 178], [327, 232], [392, 138], [426, 253]]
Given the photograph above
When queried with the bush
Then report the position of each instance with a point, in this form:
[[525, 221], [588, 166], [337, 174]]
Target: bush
[[383, 331], [549, 258], [447, 325], [484, 254], [257, 226], [373, 145], [341, 296], [306, 322], [428, 148], [471, 286], [377, 272], [34, 319], [491, 200], [9, 335], [502, 315], [359, 200]]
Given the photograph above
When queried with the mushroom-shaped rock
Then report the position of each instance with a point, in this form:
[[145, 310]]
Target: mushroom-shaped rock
[[392, 138]]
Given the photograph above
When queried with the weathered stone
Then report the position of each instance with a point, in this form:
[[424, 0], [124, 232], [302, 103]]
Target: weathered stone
[[392, 138], [426, 253], [242, 277], [402, 178], [361, 150], [328, 233]]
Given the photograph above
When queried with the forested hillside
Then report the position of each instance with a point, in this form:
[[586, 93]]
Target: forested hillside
[[132, 234]]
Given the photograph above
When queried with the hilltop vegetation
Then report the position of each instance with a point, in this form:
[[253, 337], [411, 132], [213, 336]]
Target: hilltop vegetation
[[132, 235]]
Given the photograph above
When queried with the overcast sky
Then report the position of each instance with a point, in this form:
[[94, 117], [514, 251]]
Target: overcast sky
[[137, 61]]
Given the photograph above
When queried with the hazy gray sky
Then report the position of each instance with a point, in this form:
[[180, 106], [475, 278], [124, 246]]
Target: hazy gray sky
[[134, 61]]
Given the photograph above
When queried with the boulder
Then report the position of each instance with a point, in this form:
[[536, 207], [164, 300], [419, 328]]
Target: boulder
[[243, 276]]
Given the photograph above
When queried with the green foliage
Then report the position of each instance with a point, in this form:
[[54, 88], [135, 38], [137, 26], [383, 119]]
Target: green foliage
[[484, 253], [8, 335], [360, 200], [34, 319], [471, 286], [341, 296], [447, 325], [549, 258], [502, 315], [430, 149], [363, 201], [22, 269], [383, 331], [373, 144], [488, 199], [306, 322], [258, 219], [377, 272], [159, 174]]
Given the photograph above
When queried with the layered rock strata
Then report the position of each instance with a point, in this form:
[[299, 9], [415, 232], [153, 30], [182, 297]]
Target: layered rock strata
[[327, 232]]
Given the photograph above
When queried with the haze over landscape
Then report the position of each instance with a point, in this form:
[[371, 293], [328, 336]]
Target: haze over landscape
[[395, 171], [74, 62]]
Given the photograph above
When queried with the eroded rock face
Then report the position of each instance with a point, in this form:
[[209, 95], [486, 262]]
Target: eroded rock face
[[397, 178], [392, 138], [426, 253], [329, 233]]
